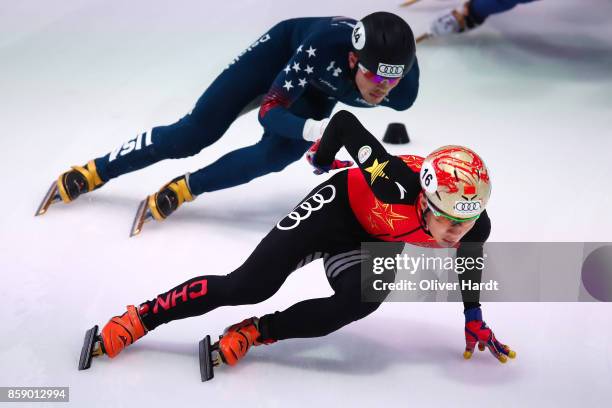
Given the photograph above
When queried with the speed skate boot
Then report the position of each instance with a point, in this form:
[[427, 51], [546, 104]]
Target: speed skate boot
[[163, 203], [121, 331], [117, 334], [238, 339], [70, 185], [231, 347], [453, 22]]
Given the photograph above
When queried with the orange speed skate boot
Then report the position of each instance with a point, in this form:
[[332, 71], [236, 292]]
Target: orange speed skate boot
[[121, 331], [117, 334], [237, 339], [231, 347]]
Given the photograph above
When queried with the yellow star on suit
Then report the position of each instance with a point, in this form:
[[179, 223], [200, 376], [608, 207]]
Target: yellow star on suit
[[377, 170]]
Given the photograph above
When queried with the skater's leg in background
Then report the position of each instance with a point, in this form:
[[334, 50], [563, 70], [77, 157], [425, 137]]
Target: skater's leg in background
[[469, 16], [270, 154], [244, 80], [181, 139], [479, 10], [273, 153]]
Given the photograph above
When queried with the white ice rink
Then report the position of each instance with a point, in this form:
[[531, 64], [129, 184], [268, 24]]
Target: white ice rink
[[531, 91]]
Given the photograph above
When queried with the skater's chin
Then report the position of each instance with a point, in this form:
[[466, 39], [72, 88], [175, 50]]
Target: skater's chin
[[373, 98], [447, 243]]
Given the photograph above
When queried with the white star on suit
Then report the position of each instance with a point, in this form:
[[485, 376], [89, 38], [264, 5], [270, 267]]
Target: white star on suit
[[287, 69], [302, 82], [311, 52], [309, 69], [299, 49], [287, 85], [296, 67]]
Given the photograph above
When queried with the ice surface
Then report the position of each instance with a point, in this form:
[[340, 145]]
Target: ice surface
[[530, 91]]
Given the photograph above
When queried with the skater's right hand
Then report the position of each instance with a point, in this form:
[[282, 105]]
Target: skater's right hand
[[314, 129], [336, 164], [477, 332]]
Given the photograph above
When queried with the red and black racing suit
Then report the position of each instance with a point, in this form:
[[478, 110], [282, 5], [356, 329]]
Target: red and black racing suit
[[375, 202]]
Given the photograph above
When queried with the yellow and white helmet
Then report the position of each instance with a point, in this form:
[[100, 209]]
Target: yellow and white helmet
[[456, 183]]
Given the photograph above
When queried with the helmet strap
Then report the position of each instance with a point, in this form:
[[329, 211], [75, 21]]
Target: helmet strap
[[423, 213], [424, 219], [353, 74]]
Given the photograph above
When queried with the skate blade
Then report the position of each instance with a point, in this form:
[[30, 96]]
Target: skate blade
[[422, 37], [207, 362], [51, 197], [88, 352], [409, 3], [142, 215]]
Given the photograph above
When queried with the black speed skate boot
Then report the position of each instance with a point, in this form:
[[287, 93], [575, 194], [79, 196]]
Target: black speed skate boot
[[163, 203], [70, 185]]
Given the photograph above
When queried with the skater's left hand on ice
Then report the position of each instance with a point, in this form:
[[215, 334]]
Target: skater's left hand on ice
[[336, 164], [477, 331]]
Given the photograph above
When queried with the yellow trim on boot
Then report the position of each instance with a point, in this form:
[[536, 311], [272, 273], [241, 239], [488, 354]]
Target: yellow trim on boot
[[182, 191], [91, 176], [91, 166]]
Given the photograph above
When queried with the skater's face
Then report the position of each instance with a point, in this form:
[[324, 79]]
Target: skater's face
[[372, 87], [446, 232]]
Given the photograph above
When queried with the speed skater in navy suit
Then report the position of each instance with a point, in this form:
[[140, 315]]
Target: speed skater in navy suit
[[294, 74]]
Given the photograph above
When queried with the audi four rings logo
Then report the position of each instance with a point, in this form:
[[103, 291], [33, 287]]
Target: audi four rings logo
[[313, 203], [390, 71], [467, 206]]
